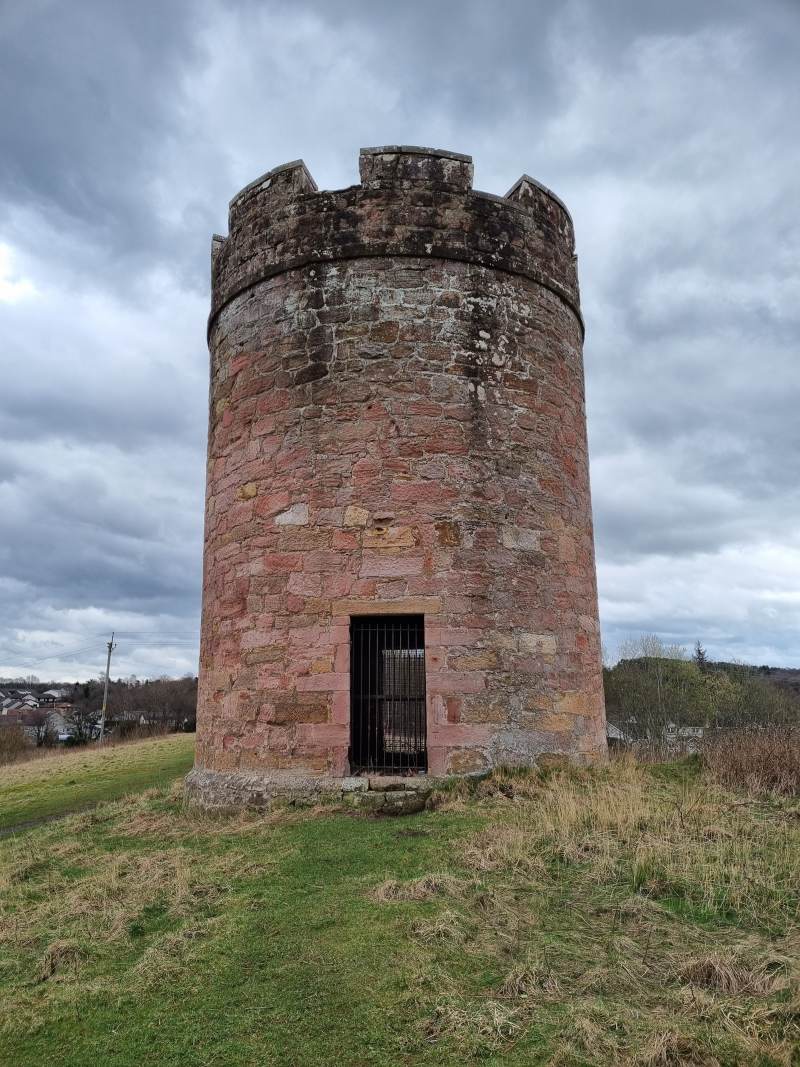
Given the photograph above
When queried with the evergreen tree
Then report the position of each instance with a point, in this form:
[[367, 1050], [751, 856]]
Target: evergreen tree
[[700, 657]]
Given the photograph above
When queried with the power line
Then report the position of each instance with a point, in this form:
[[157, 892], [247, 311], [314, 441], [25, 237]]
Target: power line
[[158, 633], [60, 655], [170, 636]]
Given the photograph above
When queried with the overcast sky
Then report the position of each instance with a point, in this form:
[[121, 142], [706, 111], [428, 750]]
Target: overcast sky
[[670, 129]]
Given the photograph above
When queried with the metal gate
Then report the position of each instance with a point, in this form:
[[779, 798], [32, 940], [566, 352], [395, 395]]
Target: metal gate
[[387, 694]]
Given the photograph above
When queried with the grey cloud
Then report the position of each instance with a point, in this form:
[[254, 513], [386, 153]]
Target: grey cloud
[[663, 126], [89, 82]]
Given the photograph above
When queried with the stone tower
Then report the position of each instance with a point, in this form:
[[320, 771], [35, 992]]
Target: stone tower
[[399, 567]]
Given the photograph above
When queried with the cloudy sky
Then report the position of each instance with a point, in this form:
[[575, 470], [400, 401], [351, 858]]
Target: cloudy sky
[[670, 129]]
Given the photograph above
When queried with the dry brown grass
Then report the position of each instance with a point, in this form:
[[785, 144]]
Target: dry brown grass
[[191, 823], [611, 900], [478, 1027], [15, 746], [171, 954], [527, 978], [733, 975], [448, 926], [671, 1049], [693, 843], [60, 956], [763, 761], [424, 888], [89, 900]]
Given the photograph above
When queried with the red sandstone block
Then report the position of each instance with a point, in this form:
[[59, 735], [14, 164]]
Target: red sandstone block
[[447, 682], [344, 540], [305, 584], [380, 566], [332, 682], [449, 636], [422, 493], [457, 734], [340, 707], [338, 585], [446, 444], [260, 637], [341, 662], [269, 504], [309, 636], [283, 562], [275, 400], [323, 734], [322, 561], [453, 705]]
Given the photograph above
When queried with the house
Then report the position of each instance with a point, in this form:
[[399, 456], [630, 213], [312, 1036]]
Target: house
[[684, 738], [53, 696], [615, 736], [31, 721], [683, 733], [15, 702]]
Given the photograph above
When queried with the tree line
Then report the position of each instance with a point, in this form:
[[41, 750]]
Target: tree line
[[654, 685], [167, 704]]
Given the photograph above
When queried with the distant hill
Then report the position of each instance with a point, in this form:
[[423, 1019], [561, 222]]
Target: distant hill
[[787, 678]]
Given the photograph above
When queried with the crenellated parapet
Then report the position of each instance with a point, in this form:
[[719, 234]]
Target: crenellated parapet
[[411, 202]]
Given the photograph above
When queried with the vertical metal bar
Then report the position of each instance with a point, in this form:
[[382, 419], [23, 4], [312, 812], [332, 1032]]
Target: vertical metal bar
[[411, 727], [364, 697], [399, 757], [373, 698], [371, 701], [409, 688], [401, 717], [363, 707], [368, 695], [424, 696], [413, 715], [413, 747], [353, 697], [398, 751], [396, 685], [417, 707]]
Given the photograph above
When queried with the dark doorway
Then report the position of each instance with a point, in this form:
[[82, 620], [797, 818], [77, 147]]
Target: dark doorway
[[387, 694]]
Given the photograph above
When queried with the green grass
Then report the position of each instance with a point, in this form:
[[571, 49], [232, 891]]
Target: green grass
[[580, 918], [69, 780]]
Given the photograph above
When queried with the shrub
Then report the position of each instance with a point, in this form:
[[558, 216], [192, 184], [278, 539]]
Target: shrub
[[760, 760], [14, 744]]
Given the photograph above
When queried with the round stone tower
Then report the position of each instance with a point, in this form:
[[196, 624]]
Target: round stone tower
[[399, 569]]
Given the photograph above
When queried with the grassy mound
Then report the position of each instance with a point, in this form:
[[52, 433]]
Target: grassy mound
[[67, 780], [620, 915]]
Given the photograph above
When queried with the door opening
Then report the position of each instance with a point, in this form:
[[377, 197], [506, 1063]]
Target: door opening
[[387, 694]]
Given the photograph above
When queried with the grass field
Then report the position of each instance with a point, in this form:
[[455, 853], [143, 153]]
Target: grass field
[[617, 916], [75, 778]]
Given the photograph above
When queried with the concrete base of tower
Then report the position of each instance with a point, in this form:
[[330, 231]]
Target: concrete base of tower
[[235, 790]]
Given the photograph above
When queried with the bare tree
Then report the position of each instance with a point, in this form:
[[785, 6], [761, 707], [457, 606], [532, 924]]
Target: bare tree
[[84, 721], [39, 721]]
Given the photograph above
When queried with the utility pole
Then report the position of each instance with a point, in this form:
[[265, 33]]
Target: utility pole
[[111, 646]]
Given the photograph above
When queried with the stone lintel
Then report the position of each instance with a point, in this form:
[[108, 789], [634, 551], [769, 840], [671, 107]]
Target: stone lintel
[[420, 605]]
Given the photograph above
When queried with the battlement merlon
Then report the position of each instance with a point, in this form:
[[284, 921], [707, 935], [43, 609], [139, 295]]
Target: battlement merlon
[[282, 183], [411, 202], [404, 166]]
